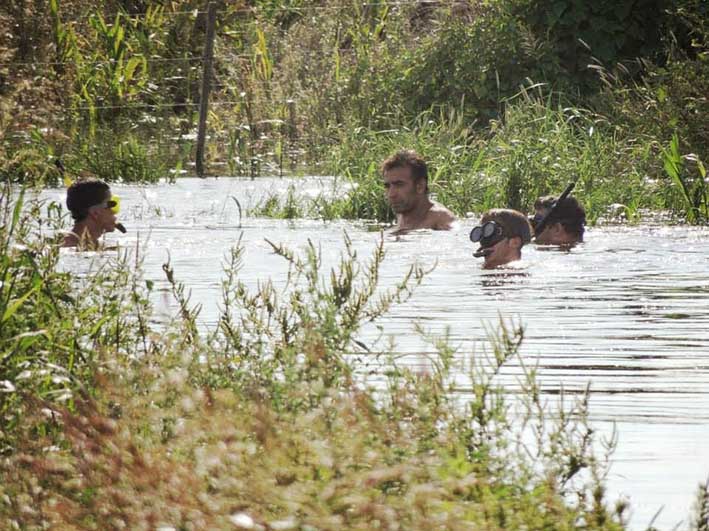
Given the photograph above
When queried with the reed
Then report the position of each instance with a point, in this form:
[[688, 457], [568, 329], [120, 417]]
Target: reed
[[537, 149]]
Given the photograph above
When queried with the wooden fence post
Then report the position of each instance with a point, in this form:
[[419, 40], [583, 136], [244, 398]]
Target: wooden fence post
[[206, 86]]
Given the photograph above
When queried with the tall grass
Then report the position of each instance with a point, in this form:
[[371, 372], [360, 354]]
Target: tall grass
[[51, 327], [536, 149], [691, 186]]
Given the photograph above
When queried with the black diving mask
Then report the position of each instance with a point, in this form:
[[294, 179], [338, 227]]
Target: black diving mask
[[488, 234]]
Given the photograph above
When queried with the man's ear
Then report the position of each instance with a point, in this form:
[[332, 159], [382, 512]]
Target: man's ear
[[516, 242], [421, 186]]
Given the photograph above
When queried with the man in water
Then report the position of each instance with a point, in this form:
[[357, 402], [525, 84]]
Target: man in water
[[94, 211], [502, 233], [406, 183], [562, 221]]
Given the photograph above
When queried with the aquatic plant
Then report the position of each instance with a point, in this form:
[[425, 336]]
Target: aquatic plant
[[537, 149]]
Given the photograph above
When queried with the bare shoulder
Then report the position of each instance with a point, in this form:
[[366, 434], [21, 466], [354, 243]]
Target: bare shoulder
[[440, 217]]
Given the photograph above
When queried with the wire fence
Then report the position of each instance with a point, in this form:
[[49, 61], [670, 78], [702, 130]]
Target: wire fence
[[106, 61], [218, 103]]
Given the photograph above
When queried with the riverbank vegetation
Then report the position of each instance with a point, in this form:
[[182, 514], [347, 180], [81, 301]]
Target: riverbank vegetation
[[507, 99], [113, 419]]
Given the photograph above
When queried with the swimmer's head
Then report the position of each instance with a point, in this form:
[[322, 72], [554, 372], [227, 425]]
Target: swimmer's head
[[564, 220], [405, 180], [90, 199], [501, 234]]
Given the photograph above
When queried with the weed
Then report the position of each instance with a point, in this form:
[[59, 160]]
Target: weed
[[51, 328], [693, 190], [701, 523]]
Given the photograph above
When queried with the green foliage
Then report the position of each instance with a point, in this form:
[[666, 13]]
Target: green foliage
[[537, 149], [110, 75], [541, 146], [64, 38], [271, 206], [51, 329], [123, 159], [478, 62], [692, 189], [606, 31], [267, 332], [300, 87], [29, 160]]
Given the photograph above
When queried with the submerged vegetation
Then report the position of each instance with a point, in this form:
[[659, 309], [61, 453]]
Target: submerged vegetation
[[507, 99]]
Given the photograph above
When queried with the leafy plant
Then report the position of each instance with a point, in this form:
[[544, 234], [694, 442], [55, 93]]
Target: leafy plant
[[692, 189]]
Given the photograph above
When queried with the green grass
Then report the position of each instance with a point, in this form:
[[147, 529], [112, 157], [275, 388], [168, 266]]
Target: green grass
[[537, 149]]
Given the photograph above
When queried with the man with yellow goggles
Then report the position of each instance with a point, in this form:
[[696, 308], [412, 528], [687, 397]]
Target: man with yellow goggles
[[94, 210]]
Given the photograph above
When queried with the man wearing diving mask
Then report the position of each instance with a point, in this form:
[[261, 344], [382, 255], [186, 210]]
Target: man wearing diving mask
[[501, 234], [94, 210]]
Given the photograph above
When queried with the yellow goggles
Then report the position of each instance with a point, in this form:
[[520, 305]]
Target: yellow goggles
[[114, 204]]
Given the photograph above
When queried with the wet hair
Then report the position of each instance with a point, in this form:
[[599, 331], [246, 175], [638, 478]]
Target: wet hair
[[407, 158], [515, 224], [84, 194], [568, 212]]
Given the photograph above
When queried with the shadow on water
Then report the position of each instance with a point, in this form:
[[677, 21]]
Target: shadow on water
[[504, 278], [627, 311]]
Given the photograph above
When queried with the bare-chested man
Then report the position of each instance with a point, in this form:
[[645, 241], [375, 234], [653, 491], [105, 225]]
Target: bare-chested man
[[406, 182]]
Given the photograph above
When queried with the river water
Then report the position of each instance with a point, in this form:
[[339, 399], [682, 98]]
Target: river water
[[627, 312]]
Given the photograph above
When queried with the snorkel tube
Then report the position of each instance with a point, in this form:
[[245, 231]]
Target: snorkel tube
[[539, 227], [67, 182]]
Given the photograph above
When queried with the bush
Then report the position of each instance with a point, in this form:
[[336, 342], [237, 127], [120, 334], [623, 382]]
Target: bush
[[52, 328]]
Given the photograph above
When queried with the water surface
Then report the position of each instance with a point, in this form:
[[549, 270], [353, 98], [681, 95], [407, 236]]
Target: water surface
[[627, 311]]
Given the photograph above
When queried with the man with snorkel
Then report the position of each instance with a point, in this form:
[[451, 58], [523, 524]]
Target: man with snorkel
[[406, 182], [558, 221], [501, 234], [94, 211]]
